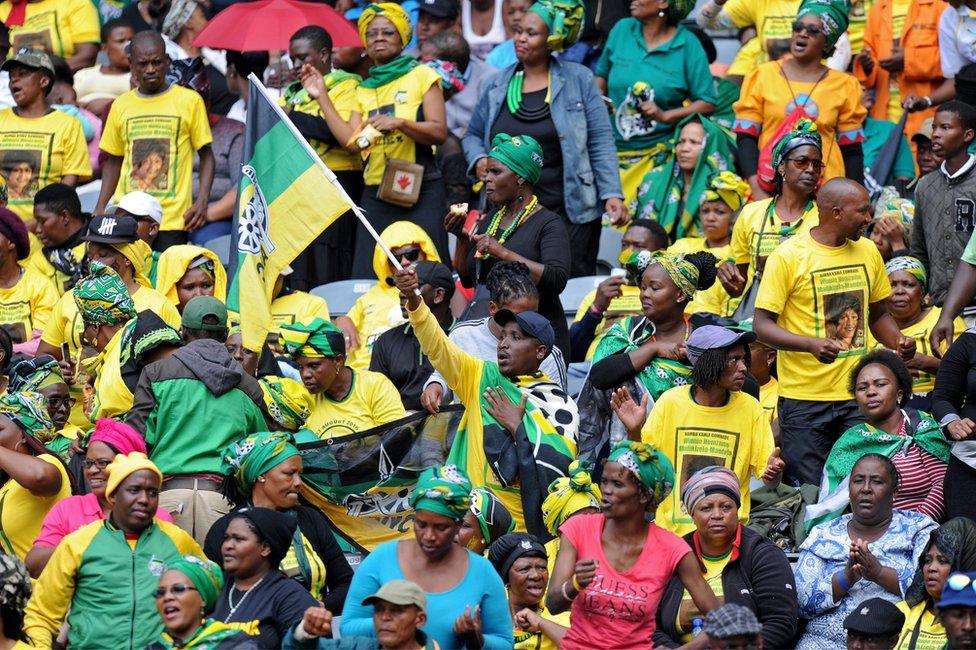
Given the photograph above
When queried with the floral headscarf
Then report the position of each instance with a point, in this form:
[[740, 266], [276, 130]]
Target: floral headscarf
[[35, 374], [913, 266], [652, 469], [288, 401], [444, 490], [683, 273], [257, 453], [28, 410]]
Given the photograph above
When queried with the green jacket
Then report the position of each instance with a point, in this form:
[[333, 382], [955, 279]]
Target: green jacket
[[193, 404], [107, 585]]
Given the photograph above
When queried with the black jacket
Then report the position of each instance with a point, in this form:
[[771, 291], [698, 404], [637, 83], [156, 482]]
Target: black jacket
[[760, 579]]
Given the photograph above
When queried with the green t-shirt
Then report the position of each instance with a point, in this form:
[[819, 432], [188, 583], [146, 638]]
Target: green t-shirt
[[674, 72], [876, 133]]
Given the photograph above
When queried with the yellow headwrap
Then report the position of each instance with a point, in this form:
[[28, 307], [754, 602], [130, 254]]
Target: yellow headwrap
[[727, 187], [568, 495], [140, 255], [173, 264], [124, 466], [392, 12]]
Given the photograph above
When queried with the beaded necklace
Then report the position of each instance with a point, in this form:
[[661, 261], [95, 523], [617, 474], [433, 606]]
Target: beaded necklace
[[513, 94], [496, 221]]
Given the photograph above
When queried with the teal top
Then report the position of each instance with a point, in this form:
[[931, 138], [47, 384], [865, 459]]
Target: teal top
[[876, 132], [675, 71]]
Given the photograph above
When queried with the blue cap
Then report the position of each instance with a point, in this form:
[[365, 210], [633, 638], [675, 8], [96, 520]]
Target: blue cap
[[532, 323], [959, 591]]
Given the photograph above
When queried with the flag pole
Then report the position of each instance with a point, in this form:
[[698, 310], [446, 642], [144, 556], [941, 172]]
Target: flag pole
[[328, 172]]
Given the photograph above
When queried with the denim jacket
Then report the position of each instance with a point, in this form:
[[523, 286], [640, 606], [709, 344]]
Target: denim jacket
[[590, 169]]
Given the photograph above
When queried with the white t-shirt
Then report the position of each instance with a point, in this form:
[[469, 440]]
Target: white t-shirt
[[957, 39]]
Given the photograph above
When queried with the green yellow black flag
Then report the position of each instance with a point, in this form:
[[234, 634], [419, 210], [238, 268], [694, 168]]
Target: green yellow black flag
[[286, 198]]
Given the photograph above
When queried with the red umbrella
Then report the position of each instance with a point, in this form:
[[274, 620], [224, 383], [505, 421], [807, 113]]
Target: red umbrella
[[269, 24]]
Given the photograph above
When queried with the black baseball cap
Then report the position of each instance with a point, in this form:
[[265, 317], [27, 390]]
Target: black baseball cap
[[440, 8], [435, 274], [532, 323], [111, 229], [875, 617]]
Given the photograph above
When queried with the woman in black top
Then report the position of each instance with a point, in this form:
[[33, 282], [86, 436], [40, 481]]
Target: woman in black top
[[954, 408], [267, 473], [519, 229]]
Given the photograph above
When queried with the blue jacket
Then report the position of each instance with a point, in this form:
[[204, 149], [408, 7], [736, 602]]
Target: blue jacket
[[585, 135]]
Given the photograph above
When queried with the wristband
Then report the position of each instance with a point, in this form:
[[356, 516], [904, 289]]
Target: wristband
[[596, 312], [565, 595], [576, 585], [842, 581]]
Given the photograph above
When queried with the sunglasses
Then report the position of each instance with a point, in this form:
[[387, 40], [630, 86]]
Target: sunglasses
[[959, 581], [809, 29], [803, 163], [410, 254], [176, 590]]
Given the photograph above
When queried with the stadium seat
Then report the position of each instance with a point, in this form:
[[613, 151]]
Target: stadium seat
[[221, 246], [576, 289], [343, 294], [88, 195], [610, 239]]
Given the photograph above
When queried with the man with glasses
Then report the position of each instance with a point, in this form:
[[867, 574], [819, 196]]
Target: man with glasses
[[957, 610], [820, 294]]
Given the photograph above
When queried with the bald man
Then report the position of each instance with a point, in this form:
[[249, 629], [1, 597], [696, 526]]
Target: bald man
[[820, 294], [150, 137]]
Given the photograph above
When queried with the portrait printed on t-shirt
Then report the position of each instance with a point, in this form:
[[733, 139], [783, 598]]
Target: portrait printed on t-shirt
[[21, 168], [151, 161], [38, 31], [697, 448], [840, 307]]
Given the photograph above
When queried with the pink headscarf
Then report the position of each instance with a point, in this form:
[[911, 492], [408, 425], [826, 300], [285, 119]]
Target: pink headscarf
[[119, 436]]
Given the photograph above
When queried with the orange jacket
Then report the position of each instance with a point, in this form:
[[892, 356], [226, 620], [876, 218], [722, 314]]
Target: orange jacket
[[920, 41]]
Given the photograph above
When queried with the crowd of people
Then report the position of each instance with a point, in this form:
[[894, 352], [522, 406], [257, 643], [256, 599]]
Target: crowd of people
[[757, 430]]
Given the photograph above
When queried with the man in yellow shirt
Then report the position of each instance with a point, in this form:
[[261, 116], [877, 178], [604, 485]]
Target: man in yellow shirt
[[819, 294], [66, 28], [150, 136], [59, 247]]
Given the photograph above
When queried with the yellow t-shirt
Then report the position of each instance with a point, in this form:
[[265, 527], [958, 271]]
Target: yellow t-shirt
[[751, 54], [26, 306], [372, 400], [692, 436], [373, 313], [834, 104], [538, 640], [628, 304], [39, 151], [65, 326], [156, 137], [39, 263], [822, 292], [931, 634], [715, 299], [923, 382], [688, 609], [745, 232], [111, 396], [768, 397], [773, 19], [21, 513], [343, 96], [403, 98], [54, 25], [297, 307], [859, 22]]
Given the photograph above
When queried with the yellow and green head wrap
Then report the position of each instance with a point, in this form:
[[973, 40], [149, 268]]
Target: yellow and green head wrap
[[521, 153], [317, 339], [805, 132], [207, 577], [683, 273], [833, 15], [139, 255], [249, 458], [102, 297], [288, 401], [727, 187], [564, 18], [35, 374], [652, 469], [28, 410], [568, 495], [392, 12], [911, 265], [444, 490], [494, 519]]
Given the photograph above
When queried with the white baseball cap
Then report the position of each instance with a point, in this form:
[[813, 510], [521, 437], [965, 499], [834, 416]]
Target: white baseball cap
[[139, 204]]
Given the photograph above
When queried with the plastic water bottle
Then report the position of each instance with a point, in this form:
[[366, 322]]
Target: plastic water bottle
[[696, 627]]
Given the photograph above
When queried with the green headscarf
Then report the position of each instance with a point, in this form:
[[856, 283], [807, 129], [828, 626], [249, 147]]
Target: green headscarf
[[804, 133], [652, 468], [659, 195], [683, 273], [521, 153], [911, 265], [833, 15], [288, 402], [205, 576], [564, 18], [494, 519], [316, 339], [35, 374], [259, 452], [444, 490], [28, 410], [102, 297]]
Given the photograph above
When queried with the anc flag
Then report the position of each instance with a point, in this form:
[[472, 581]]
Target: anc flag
[[286, 198], [362, 482]]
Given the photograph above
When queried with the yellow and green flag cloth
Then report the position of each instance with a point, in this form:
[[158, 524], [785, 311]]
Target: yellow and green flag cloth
[[286, 198]]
